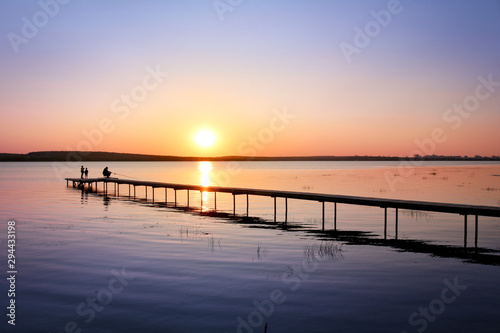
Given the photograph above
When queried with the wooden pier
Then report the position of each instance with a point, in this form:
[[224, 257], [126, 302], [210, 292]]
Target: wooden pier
[[465, 210]]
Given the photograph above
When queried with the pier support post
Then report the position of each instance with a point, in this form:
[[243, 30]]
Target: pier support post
[[166, 201], [465, 230], [146, 193], [134, 192], [215, 201], [247, 205], [385, 222], [397, 220], [335, 216], [323, 216], [286, 210], [175, 197], [153, 190], [475, 232], [274, 209], [129, 190], [118, 190], [234, 205]]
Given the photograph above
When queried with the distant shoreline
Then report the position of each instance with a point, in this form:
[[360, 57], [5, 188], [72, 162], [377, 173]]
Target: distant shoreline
[[79, 156]]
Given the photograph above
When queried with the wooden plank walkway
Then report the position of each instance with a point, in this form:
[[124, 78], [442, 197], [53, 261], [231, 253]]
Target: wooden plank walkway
[[465, 210]]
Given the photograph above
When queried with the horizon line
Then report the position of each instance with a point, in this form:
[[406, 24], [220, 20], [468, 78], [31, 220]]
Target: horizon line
[[58, 155]]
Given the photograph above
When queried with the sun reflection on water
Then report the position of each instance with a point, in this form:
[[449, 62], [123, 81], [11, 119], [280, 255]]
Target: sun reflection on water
[[205, 168]]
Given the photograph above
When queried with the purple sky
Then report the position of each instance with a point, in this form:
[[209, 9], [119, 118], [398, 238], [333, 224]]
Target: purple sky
[[231, 67]]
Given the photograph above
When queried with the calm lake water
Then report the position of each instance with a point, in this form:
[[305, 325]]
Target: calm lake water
[[87, 263]]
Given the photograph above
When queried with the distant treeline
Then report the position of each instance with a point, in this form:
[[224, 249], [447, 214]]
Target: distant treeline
[[61, 156]]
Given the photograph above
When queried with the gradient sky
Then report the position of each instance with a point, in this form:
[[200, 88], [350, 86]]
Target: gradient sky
[[234, 75]]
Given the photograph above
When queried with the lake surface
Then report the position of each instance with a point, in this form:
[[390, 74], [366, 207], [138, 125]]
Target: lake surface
[[87, 263]]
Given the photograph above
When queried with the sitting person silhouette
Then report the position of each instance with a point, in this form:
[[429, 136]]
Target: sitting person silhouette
[[106, 172]]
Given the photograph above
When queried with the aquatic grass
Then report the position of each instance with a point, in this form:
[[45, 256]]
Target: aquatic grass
[[259, 248], [191, 232], [323, 251], [212, 244], [261, 252]]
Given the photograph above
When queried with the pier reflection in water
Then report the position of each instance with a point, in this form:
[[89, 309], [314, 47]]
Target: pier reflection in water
[[481, 255]]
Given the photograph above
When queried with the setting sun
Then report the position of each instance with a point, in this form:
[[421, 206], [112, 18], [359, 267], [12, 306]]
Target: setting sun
[[205, 138]]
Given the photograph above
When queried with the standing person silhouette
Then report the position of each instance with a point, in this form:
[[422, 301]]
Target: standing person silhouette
[[82, 171], [86, 173], [106, 172]]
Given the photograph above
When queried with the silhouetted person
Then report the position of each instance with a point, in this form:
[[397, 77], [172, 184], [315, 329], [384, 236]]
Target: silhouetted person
[[86, 173], [82, 171], [106, 172]]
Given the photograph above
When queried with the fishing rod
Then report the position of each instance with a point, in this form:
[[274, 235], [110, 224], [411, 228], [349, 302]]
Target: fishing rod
[[120, 174]]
